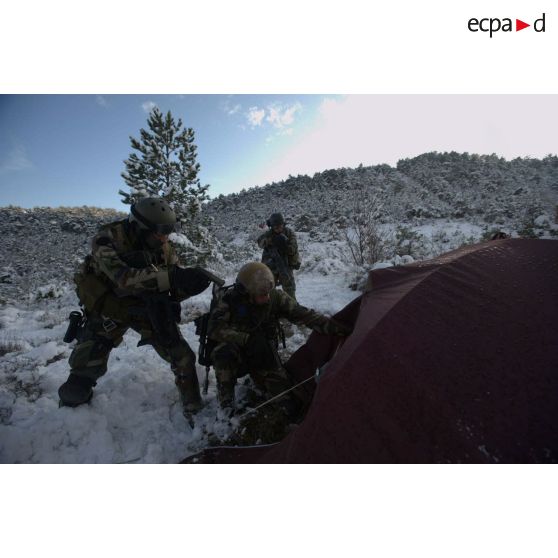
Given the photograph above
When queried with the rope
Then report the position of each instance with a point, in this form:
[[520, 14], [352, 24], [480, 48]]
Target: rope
[[316, 376], [274, 398]]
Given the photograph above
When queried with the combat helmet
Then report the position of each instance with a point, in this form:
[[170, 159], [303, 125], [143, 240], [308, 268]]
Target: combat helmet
[[255, 278], [153, 214], [275, 219]]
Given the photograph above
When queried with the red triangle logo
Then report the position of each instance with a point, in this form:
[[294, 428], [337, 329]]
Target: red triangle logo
[[519, 25]]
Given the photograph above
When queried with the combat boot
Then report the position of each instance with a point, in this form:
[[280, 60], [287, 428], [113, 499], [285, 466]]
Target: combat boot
[[76, 390], [189, 389], [226, 381], [225, 394]]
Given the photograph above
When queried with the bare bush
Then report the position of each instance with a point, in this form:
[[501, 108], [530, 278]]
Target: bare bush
[[8, 346], [367, 240]]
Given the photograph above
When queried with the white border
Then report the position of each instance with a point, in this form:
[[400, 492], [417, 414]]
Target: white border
[[354, 46], [293, 46]]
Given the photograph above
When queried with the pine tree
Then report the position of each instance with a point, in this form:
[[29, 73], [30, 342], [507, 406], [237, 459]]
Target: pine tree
[[165, 165]]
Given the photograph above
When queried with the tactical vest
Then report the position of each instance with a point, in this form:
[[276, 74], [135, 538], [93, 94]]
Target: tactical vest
[[290, 256], [95, 290], [91, 289], [249, 317]]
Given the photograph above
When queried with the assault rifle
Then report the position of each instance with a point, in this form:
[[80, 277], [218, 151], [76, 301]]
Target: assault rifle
[[206, 345], [162, 312], [277, 261]]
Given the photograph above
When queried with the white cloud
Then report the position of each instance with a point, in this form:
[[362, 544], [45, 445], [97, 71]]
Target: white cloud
[[229, 108], [255, 116], [374, 129], [16, 160], [148, 106], [101, 101], [277, 115], [280, 116], [286, 132], [234, 110]]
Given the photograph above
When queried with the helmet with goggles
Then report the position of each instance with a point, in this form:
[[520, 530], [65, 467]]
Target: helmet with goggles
[[153, 214]]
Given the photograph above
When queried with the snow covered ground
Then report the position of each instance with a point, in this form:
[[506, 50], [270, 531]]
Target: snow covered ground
[[135, 415]]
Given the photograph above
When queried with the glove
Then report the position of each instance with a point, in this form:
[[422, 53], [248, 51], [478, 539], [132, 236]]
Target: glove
[[338, 328], [189, 280], [280, 241]]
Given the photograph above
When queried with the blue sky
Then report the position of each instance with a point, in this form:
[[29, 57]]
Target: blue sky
[[69, 149]]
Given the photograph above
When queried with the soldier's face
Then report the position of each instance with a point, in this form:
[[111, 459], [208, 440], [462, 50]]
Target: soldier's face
[[261, 299], [278, 229], [162, 238], [155, 240]]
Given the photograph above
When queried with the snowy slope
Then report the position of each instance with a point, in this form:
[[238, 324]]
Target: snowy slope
[[135, 415], [441, 200]]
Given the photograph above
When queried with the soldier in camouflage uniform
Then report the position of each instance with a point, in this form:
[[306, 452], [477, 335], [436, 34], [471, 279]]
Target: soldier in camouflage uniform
[[244, 326], [131, 262], [280, 252]]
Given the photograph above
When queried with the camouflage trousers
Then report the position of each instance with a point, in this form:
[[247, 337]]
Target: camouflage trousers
[[90, 356], [287, 282], [230, 363]]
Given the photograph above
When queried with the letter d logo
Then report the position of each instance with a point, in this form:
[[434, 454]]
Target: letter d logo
[[539, 23]]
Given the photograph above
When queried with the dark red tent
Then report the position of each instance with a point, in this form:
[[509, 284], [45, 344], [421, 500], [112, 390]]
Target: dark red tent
[[451, 360]]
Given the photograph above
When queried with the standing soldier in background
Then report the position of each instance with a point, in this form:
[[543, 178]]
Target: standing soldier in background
[[280, 252], [244, 327], [131, 280]]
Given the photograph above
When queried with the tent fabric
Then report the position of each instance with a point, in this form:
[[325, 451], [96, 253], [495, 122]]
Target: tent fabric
[[451, 360]]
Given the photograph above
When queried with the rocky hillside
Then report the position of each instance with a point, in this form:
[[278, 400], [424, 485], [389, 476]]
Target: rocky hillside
[[431, 203], [44, 244], [485, 190]]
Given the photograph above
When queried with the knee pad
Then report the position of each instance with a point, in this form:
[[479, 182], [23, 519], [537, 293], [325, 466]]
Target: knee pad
[[226, 355], [225, 376], [90, 353]]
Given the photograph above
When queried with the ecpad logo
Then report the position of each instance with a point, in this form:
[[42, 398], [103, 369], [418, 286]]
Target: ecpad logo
[[493, 25]]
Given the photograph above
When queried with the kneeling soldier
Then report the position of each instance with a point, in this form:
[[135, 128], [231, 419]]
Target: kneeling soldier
[[244, 324]]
